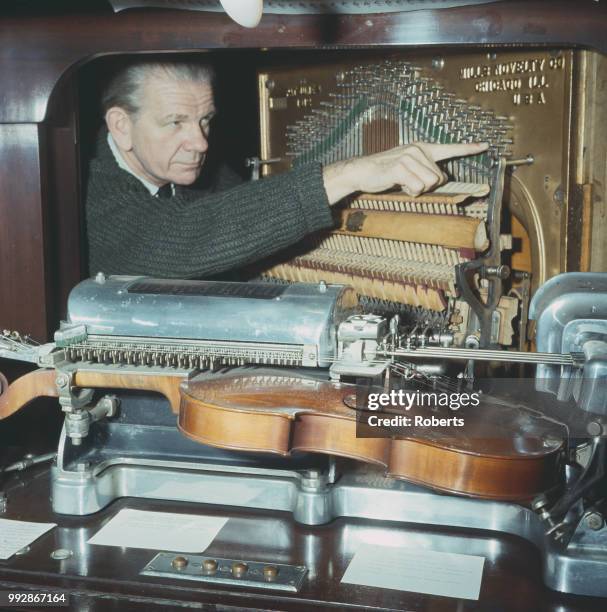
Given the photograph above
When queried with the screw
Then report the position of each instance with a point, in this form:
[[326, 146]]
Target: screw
[[502, 271], [594, 521], [61, 554], [61, 381], [539, 503], [594, 429]]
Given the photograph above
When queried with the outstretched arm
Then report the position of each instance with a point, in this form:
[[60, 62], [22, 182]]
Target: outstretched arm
[[131, 232]]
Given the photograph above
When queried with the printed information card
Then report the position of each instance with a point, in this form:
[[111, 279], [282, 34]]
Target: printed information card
[[159, 531], [15, 535], [415, 570]]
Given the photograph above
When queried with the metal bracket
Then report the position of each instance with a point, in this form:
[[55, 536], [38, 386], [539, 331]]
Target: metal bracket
[[255, 164], [489, 266], [77, 423], [75, 404], [70, 400], [231, 572], [16, 347], [358, 340]]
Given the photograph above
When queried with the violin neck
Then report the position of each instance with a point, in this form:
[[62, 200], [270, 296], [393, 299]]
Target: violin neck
[[43, 383]]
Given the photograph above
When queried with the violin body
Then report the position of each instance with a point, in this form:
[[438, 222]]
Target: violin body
[[503, 452]]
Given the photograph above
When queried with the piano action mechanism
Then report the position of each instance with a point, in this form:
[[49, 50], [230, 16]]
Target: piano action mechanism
[[414, 256]]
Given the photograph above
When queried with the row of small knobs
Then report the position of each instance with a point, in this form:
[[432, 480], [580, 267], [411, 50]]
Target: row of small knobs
[[239, 569]]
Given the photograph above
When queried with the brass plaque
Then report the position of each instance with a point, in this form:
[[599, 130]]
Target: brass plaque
[[227, 572]]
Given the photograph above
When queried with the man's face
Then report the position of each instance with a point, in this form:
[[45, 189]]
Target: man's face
[[169, 134]]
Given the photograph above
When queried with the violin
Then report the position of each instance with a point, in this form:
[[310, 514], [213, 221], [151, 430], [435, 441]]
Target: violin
[[503, 452]]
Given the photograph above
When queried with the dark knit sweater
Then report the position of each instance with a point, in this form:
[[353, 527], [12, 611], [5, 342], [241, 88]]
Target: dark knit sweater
[[194, 234]]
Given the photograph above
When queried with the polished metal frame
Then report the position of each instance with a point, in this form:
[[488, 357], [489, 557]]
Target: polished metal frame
[[317, 497]]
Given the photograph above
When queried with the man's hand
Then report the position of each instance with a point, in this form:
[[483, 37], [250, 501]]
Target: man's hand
[[411, 167]]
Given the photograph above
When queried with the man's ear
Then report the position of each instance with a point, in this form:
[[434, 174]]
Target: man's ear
[[120, 125]]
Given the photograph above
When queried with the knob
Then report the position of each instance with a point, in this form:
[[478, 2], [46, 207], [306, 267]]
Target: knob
[[209, 566], [270, 572], [239, 569], [179, 563]]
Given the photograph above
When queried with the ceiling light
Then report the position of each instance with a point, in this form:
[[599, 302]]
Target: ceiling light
[[247, 13]]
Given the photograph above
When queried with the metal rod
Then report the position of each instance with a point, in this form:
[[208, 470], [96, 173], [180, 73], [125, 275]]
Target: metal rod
[[524, 161], [486, 355], [29, 461]]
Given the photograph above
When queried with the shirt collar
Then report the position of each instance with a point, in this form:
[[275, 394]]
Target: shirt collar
[[153, 189]]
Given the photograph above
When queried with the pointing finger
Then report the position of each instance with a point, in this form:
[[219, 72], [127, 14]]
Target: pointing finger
[[438, 152]]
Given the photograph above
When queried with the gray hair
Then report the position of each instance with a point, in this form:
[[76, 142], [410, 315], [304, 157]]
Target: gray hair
[[124, 89]]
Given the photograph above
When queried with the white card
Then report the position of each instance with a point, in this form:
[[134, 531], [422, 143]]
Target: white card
[[416, 570], [159, 531], [15, 535]]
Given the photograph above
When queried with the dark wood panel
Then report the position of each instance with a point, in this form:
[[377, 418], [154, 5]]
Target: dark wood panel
[[35, 52], [23, 291], [64, 252]]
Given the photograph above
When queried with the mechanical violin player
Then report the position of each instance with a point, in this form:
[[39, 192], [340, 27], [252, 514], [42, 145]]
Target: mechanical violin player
[[263, 387], [292, 404]]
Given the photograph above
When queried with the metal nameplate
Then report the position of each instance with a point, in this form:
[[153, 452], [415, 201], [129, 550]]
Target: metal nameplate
[[258, 574]]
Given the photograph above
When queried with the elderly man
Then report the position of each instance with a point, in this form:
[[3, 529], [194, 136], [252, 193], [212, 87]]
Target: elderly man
[[142, 217]]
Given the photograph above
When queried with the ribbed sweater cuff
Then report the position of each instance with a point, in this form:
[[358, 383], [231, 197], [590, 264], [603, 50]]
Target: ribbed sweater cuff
[[312, 197]]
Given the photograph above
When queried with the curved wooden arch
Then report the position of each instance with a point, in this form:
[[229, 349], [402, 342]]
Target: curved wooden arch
[[36, 51]]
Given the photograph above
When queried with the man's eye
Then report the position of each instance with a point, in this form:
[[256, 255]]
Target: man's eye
[[176, 123]]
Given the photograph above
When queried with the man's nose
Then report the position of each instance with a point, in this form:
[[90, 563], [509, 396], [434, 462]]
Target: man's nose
[[197, 140]]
